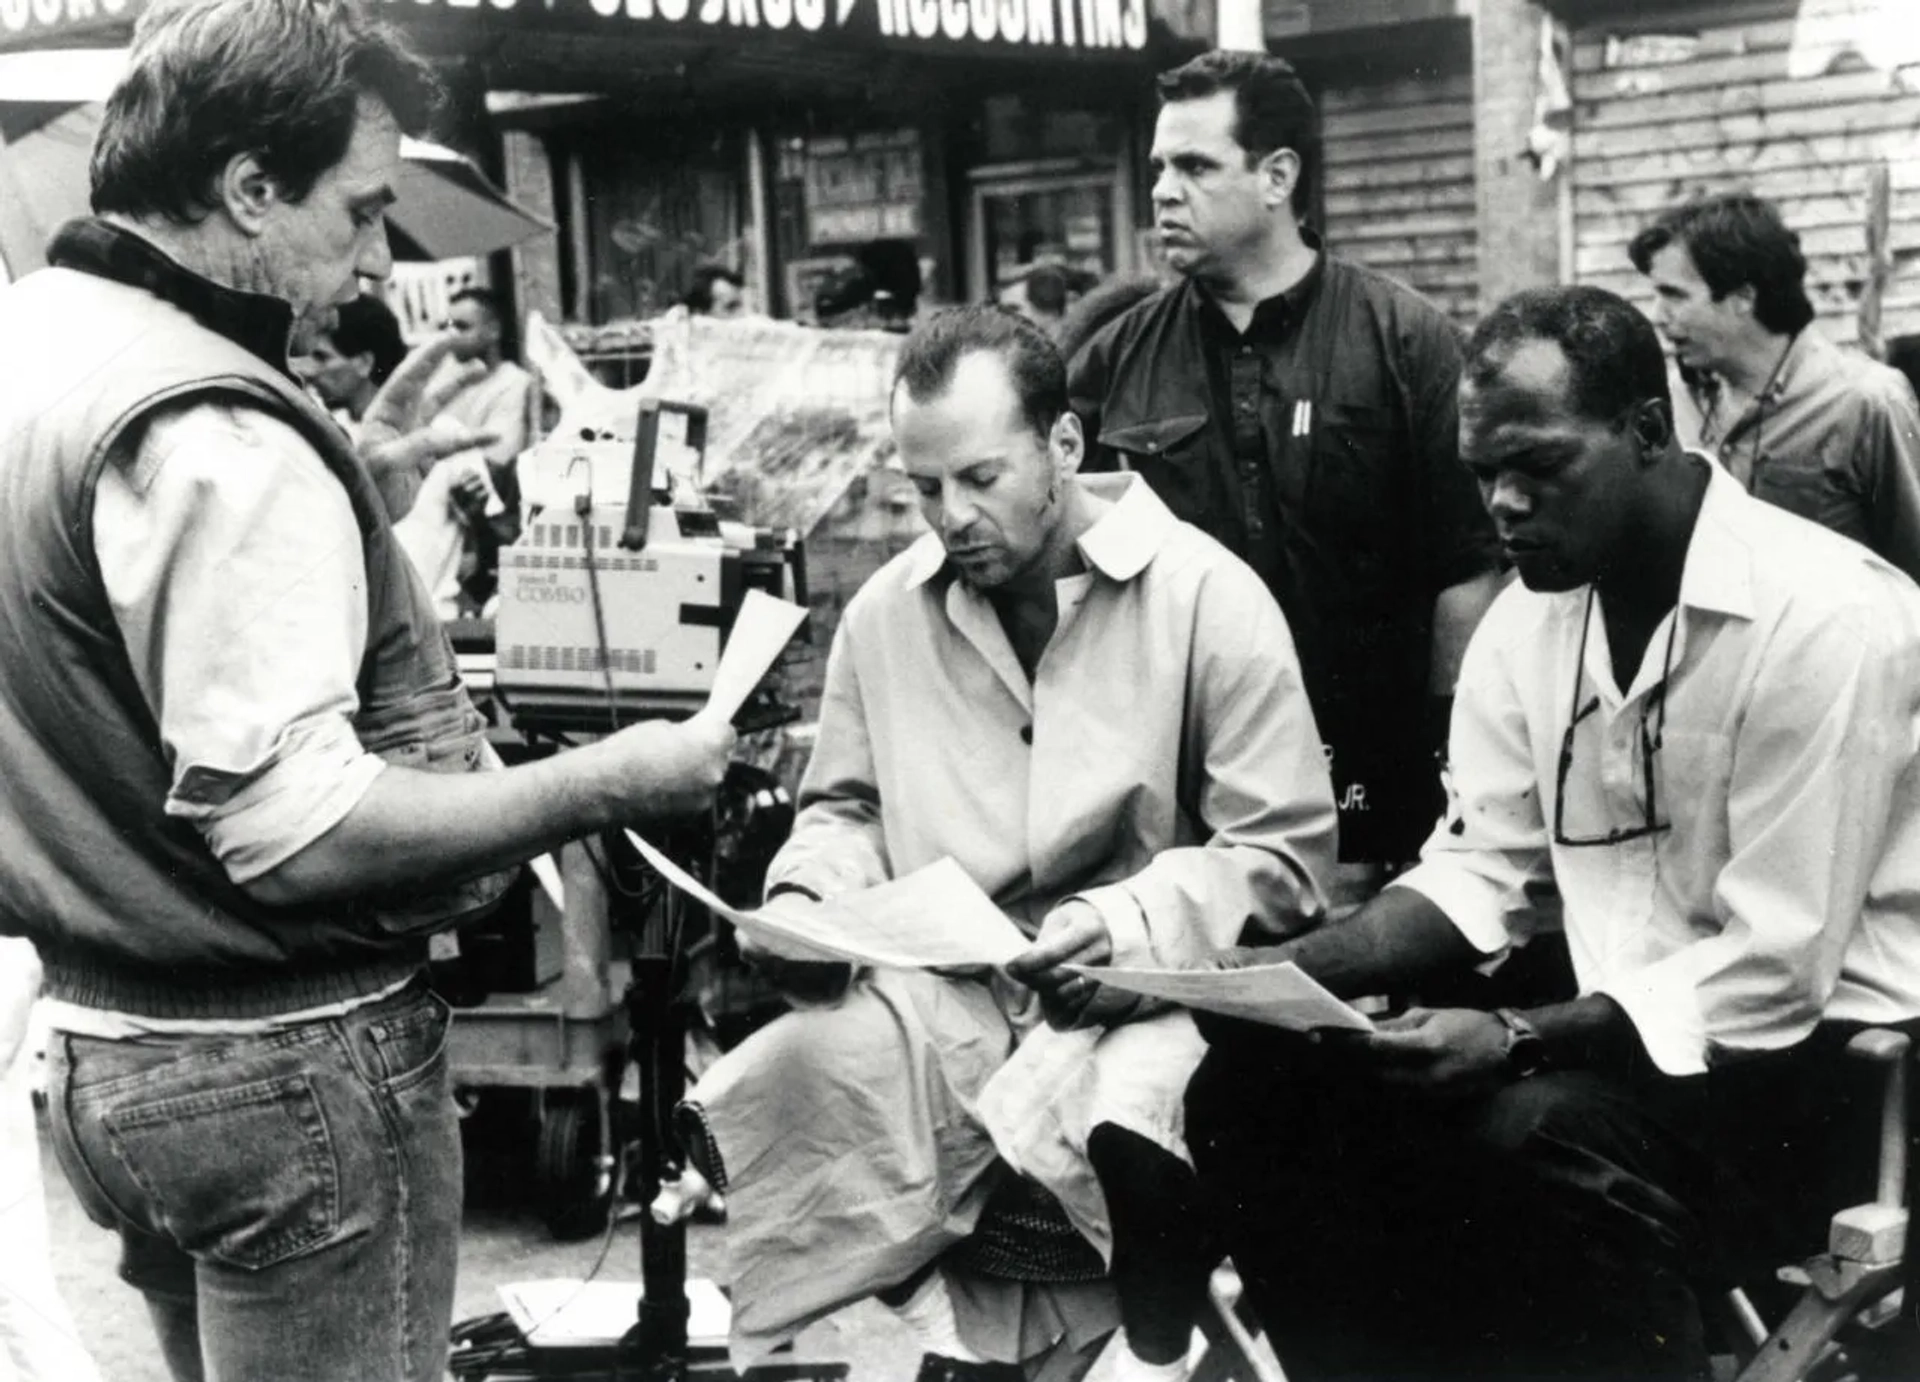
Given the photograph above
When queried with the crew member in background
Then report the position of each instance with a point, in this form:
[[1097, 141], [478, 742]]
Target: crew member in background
[[716, 291], [1300, 408], [1826, 433], [469, 504], [244, 784], [1096, 711], [1040, 295], [353, 367]]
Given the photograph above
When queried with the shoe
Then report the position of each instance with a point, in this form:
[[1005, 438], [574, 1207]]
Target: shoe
[[935, 1368]]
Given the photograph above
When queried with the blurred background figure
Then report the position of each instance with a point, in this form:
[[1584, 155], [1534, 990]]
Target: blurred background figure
[[879, 292], [38, 1342], [346, 366], [1040, 295], [717, 291]]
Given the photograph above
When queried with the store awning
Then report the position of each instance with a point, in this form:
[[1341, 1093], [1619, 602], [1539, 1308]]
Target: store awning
[[978, 28]]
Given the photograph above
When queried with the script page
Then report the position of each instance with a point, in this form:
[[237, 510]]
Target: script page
[[933, 918], [1281, 995]]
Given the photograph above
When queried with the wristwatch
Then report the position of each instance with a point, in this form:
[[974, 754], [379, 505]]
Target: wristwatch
[[1526, 1052]]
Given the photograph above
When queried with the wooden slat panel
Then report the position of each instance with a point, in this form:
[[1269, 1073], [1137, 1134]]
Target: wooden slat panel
[[1407, 91], [1401, 200], [1392, 148], [1741, 98], [1649, 199], [1433, 115], [1399, 194], [1446, 169], [1891, 120]]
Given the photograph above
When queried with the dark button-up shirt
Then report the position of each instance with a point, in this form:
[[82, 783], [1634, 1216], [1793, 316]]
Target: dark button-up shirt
[[1319, 445], [1833, 437]]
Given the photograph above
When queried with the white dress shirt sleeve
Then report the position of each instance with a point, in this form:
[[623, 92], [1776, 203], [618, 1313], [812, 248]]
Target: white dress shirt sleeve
[[1827, 739], [234, 567], [1493, 844]]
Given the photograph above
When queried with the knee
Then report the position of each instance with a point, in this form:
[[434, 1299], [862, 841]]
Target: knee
[[1520, 1119]]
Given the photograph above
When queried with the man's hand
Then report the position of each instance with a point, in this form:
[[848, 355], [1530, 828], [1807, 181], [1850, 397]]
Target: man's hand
[[1448, 1053], [420, 449], [662, 769], [1074, 933]]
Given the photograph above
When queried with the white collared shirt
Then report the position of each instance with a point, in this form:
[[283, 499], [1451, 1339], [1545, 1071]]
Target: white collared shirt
[[1787, 889]]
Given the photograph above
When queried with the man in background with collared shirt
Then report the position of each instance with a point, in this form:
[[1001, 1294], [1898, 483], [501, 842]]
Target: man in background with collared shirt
[[1697, 721], [243, 782], [1825, 433], [1300, 408]]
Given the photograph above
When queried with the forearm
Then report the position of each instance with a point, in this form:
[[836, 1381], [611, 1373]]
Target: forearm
[[415, 829], [1393, 943]]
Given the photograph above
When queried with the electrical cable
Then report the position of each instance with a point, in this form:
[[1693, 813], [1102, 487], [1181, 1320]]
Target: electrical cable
[[513, 1348]]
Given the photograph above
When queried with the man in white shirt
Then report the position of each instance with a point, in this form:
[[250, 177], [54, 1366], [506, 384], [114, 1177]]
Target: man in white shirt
[[1697, 723]]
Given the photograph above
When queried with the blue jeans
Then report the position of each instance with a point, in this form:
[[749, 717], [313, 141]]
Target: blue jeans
[[293, 1199]]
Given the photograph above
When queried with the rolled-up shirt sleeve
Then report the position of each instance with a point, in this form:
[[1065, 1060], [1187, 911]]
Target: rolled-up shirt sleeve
[[236, 574], [1491, 848]]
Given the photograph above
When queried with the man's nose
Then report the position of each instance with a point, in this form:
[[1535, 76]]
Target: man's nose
[[1507, 498], [1166, 188], [376, 255]]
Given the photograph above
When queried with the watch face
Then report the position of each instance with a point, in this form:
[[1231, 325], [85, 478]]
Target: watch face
[[1527, 1055]]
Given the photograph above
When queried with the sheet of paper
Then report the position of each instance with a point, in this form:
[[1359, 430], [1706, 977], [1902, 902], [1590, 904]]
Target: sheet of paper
[[1282, 995], [561, 1313], [547, 874], [933, 918], [761, 630]]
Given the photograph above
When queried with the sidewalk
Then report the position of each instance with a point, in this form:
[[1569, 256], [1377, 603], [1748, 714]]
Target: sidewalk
[[498, 1246]]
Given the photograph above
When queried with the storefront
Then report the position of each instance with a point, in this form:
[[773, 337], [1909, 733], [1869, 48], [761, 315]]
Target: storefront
[[1814, 105], [786, 137]]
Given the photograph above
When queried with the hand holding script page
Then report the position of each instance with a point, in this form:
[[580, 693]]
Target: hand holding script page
[[933, 918], [761, 629], [1282, 995]]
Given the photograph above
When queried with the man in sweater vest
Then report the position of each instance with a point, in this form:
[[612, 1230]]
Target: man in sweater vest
[[242, 782]]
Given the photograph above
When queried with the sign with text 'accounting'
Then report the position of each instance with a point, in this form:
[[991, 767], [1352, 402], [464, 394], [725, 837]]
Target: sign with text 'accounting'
[[1079, 26]]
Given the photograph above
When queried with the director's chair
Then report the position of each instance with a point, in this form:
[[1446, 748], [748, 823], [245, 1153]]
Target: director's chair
[[1854, 1287]]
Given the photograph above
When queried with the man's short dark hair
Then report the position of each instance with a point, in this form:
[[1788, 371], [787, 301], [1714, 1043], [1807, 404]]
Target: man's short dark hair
[[1737, 239], [1271, 107], [1613, 354], [935, 348], [699, 296], [367, 326], [281, 79]]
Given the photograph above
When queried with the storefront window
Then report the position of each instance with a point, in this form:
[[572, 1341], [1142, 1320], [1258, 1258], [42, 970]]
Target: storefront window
[[1068, 221]]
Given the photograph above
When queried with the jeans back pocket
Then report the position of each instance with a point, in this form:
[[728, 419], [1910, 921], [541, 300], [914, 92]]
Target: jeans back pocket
[[244, 1174]]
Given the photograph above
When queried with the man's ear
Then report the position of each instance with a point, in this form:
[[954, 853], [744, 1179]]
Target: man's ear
[[247, 192], [1652, 428], [1740, 299], [1279, 175], [1067, 445]]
